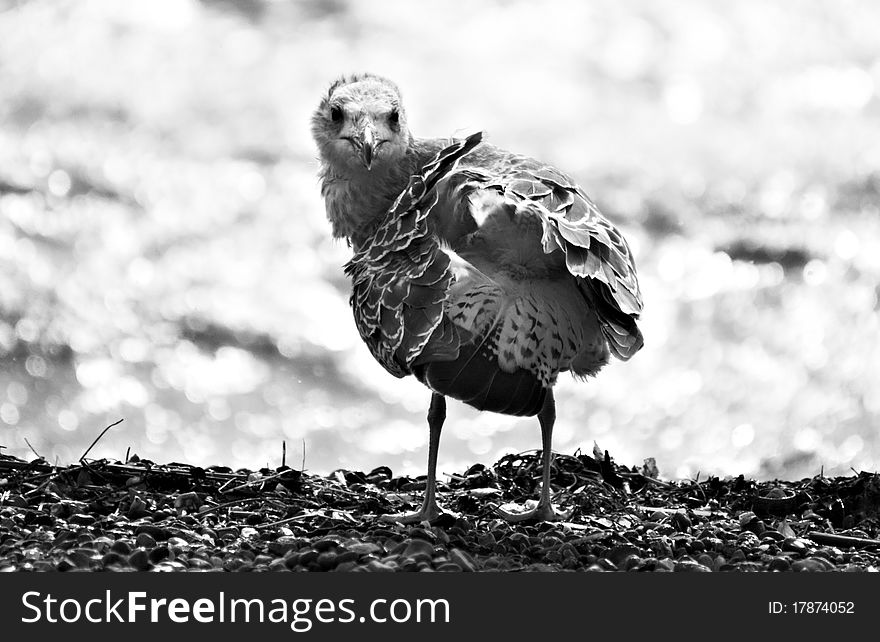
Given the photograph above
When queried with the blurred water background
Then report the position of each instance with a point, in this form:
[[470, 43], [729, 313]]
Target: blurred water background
[[164, 256]]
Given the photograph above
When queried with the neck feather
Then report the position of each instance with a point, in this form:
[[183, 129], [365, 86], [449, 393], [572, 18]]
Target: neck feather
[[357, 199]]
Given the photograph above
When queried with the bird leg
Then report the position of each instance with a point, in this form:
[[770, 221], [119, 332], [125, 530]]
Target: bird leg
[[429, 510], [544, 510]]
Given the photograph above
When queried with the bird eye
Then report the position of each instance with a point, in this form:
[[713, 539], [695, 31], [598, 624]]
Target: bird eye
[[336, 113], [394, 117]]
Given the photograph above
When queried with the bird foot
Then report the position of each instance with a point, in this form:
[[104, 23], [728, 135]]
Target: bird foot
[[540, 513], [424, 514]]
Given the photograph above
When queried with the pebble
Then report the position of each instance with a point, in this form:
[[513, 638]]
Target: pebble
[[681, 521], [80, 558], [779, 564], [811, 565], [619, 554], [121, 546], [159, 554], [140, 560], [281, 545], [200, 564], [794, 545], [156, 532], [347, 556], [81, 519], [414, 546], [326, 544], [114, 559], [463, 560], [690, 566], [327, 560], [364, 548], [145, 540]]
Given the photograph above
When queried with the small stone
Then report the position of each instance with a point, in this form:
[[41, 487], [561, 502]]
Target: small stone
[[448, 567], [378, 567], [156, 532], [618, 554], [326, 544], [415, 557], [776, 536], [159, 554], [689, 566], [308, 556], [81, 519], [81, 558], [121, 546], [364, 548], [462, 559], [199, 564], [145, 540], [811, 565], [748, 538], [793, 544], [737, 556], [420, 533], [414, 546], [114, 559], [779, 564], [681, 521], [347, 556], [281, 545], [327, 560], [140, 560], [486, 539], [137, 509]]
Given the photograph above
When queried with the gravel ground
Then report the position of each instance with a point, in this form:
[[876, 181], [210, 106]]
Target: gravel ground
[[138, 515]]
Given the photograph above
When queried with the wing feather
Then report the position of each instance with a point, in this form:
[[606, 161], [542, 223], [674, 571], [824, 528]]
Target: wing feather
[[401, 277], [596, 254]]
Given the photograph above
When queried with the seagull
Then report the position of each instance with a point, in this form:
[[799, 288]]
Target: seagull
[[481, 272]]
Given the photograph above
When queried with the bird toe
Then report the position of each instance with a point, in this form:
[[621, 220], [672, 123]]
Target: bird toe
[[539, 513]]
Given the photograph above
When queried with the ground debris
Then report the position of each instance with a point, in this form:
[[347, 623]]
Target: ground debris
[[139, 515]]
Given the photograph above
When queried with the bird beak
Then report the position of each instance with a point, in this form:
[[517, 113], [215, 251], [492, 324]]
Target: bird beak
[[368, 146]]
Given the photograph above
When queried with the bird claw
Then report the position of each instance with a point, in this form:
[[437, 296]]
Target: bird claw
[[429, 515], [540, 513]]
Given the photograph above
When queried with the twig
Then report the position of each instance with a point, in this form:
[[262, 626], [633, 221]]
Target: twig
[[345, 516], [127, 453], [211, 509], [701, 512], [302, 467], [256, 482], [283, 452], [98, 438], [33, 450], [831, 539]]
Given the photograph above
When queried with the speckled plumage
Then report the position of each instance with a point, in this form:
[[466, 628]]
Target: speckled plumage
[[483, 273], [542, 278]]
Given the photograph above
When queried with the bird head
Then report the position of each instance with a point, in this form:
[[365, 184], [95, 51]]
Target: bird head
[[360, 123]]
